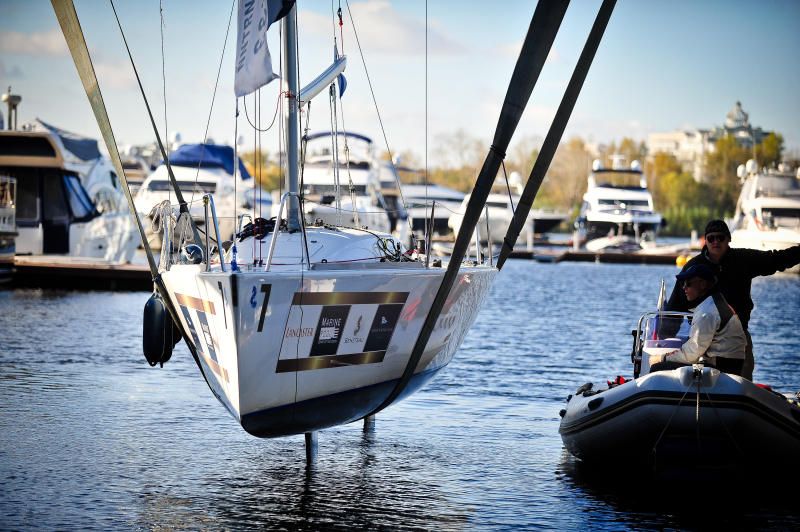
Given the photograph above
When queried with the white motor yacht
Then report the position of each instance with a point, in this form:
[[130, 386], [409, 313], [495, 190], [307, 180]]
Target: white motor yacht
[[69, 201], [341, 182], [445, 201], [617, 202], [768, 211], [200, 169], [501, 210]]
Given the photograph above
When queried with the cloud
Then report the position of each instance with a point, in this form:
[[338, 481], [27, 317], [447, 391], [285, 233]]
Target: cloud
[[382, 29], [44, 43], [13, 72], [115, 75]]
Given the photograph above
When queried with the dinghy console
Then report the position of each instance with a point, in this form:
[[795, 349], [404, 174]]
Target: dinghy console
[[658, 333]]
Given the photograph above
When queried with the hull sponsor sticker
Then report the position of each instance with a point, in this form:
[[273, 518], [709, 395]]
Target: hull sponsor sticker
[[348, 328]]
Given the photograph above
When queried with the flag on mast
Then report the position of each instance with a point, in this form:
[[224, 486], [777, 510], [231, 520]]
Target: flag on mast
[[253, 60]]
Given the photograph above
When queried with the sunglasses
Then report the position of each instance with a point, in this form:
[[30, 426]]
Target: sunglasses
[[716, 237], [689, 283]]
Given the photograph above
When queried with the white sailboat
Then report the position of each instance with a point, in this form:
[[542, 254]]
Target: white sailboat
[[299, 327]]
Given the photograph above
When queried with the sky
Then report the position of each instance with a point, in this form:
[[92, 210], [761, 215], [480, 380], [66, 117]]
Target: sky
[[662, 65]]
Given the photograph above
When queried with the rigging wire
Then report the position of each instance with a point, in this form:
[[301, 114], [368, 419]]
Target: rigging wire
[[164, 81], [375, 103], [427, 221], [508, 187], [213, 98], [274, 115]]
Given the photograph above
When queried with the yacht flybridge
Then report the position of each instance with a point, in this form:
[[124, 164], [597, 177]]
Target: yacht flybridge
[[768, 211], [297, 326], [341, 181], [617, 203]]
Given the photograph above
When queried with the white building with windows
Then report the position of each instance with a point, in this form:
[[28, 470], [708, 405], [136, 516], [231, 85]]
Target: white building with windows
[[690, 146]]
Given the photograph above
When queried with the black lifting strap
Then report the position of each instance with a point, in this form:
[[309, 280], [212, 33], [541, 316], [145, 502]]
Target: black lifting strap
[[556, 131], [541, 33]]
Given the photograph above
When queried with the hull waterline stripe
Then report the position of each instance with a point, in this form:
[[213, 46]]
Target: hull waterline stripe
[[668, 399], [195, 303], [348, 298], [326, 362]]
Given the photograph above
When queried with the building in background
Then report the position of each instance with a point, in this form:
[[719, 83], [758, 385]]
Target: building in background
[[690, 146]]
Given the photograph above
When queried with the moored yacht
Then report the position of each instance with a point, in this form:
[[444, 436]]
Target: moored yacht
[[341, 182], [617, 202], [500, 209], [69, 200], [446, 201], [200, 169], [8, 226], [768, 211]]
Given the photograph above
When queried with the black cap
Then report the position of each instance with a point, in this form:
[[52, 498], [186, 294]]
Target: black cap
[[697, 270], [718, 226]]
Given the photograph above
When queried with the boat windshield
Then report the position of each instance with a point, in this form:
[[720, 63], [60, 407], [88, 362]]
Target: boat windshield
[[664, 332], [200, 187], [625, 179], [772, 185]]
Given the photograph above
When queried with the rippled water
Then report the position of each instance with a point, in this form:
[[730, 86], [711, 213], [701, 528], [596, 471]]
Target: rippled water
[[92, 437]]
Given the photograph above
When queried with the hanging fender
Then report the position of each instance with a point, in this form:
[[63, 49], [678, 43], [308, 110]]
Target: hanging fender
[[159, 332]]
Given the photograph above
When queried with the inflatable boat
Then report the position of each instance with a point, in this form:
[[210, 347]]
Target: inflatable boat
[[689, 415]]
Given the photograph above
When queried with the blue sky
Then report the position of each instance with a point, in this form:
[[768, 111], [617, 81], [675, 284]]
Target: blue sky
[[663, 65]]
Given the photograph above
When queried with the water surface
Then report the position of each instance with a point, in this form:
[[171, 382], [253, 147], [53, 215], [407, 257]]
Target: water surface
[[91, 437]]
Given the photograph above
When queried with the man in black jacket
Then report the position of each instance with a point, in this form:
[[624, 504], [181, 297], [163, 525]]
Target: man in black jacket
[[735, 269]]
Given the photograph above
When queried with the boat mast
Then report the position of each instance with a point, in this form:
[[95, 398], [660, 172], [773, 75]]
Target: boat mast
[[292, 116]]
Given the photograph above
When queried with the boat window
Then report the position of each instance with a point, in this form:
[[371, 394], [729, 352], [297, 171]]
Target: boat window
[[498, 204], [627, 203], [323, 190], [200, 187], [781, 217], [79, 203], [27, 197], [54, 204]]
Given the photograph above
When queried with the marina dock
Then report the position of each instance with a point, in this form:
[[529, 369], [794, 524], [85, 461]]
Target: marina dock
[[50, 271], [560, 255]]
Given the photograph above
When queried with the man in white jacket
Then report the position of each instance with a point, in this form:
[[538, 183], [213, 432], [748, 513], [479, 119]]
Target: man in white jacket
[[716, 333]]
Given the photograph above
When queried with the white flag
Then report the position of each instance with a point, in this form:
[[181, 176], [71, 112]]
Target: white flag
[[253, 61]]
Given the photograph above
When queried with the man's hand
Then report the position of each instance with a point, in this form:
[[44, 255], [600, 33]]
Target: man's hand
[[657, 359]]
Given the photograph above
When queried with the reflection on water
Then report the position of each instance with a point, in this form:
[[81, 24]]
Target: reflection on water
[[91, 437]]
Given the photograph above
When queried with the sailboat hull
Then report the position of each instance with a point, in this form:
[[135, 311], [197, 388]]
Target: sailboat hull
[[295, 351]]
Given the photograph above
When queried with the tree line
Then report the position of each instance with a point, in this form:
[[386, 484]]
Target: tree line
[[685, 203]]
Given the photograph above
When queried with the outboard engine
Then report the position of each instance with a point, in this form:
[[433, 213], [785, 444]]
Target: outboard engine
[[159, 332]]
